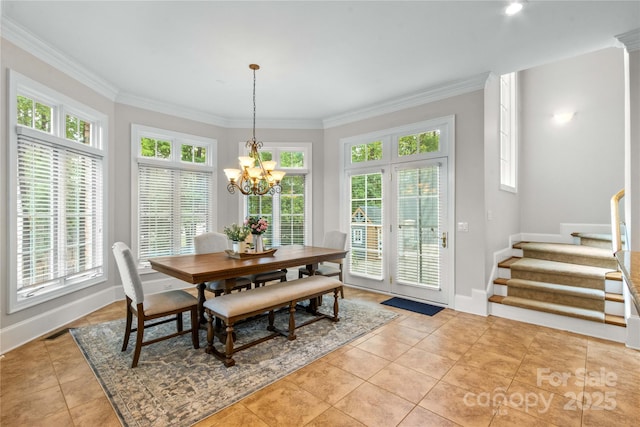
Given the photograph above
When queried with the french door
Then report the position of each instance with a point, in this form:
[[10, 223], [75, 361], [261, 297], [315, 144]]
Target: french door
[[419, 236], [398, 196]]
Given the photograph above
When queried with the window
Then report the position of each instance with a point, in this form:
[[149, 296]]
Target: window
[[57, 191], [287, 211], [175, 189], [508, 132]]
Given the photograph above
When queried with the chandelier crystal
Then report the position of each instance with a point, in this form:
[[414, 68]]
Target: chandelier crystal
[[252, 179]]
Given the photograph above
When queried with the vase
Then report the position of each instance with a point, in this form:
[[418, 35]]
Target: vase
[[235, 246], [257, 243]]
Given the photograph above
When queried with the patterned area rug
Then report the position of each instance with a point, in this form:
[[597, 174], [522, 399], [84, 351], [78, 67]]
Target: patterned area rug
[[178, 386]]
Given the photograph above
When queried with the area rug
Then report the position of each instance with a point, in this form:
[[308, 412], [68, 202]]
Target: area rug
[[176, 385], [416, 307]]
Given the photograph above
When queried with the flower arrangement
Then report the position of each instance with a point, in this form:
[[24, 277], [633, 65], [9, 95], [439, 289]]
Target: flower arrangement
[[257, 225], [236, 232]]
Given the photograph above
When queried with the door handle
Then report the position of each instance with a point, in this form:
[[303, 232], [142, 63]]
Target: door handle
[[444, 239]]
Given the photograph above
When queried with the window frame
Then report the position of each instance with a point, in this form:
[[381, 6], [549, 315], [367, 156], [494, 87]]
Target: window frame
[[174, 161], [61, 105], [276, 148], [508, 141]]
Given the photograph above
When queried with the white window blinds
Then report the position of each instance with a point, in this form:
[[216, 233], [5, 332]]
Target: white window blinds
[[173, 207], [59, 213]]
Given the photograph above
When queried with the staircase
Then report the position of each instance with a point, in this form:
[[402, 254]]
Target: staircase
[[581, 281]]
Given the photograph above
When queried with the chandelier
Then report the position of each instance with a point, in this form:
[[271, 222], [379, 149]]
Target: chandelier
[[252, 179]]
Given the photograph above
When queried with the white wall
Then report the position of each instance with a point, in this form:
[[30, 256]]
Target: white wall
[[568, 173]]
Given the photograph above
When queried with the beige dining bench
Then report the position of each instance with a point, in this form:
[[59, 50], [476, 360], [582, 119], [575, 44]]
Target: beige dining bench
[[231, 308]]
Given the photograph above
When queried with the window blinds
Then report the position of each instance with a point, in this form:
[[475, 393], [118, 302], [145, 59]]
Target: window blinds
[[59, 213], [173, 207]]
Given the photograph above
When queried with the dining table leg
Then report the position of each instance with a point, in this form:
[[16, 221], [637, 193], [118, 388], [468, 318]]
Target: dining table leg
[[201, 300]]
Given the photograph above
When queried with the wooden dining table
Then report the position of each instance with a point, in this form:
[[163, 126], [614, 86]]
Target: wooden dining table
[[198, 269]]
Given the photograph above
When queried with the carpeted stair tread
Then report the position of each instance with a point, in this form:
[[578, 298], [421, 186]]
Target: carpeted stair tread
[[560, 309], [560, 268], [574, 254], [587, 293]]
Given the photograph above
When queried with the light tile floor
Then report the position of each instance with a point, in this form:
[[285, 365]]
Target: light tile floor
[[450, 369]]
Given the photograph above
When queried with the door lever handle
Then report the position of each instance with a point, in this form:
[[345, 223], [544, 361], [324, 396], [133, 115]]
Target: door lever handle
[[444, 239]]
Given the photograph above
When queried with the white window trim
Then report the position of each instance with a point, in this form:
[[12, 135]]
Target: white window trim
[[512, 162], [276, 147], [19, 83], [138, 131]]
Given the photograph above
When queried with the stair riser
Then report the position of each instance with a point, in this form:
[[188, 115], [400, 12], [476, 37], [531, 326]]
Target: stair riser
[[595, 243], [613, 286], [614, 308], [573, 259], [550, 310], [556, 298], [560, 279]]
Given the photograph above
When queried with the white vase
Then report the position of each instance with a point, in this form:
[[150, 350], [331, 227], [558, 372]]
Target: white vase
[[236, 246], [257, 243]]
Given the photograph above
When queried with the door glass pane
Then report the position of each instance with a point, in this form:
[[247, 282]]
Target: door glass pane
[[418, 237], [366, 225]]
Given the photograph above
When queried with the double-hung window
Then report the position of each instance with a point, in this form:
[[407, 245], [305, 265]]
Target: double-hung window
[[508, 132], [289, 211], [174, 179], [56, 196]]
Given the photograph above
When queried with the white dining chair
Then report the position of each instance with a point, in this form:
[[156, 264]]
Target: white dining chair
[[152, 306]]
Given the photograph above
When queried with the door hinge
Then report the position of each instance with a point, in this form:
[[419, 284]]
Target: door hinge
[[390, 279], [444, 239]]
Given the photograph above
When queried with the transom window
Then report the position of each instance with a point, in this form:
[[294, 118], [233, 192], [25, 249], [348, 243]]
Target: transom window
[[57, 178]]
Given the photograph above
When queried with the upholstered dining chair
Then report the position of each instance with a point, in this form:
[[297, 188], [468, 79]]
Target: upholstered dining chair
[[154, 306], [334, 240], [207, 243]]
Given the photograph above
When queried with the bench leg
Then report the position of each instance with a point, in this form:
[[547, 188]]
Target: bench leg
[[229, 347], [335, 304], [272, 318], [210, 333], [292, 321]]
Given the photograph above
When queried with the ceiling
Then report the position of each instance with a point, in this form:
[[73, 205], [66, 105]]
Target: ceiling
[[319, 60]]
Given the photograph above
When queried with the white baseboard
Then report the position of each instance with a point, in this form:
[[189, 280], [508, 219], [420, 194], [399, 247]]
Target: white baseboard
[[477, 303], [22, 332], [555, 321]]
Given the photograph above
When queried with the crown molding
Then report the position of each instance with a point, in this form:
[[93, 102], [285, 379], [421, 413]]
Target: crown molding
[[170, 109], [630, 39], [436, 93], [17, 35]]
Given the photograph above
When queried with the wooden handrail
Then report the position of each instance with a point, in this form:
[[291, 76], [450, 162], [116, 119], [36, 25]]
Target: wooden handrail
[[616, 241]]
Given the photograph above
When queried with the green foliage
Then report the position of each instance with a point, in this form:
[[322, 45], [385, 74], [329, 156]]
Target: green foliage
[[426, 142], [155, 148], [34, 114], [366, 152], [292, 159], [236, 232], [77, 130]]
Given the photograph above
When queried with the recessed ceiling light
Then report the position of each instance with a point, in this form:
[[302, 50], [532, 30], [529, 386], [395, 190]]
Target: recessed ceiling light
[[513, 8]]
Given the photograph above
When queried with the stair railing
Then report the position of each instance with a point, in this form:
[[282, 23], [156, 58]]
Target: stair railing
[[616, 240]]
